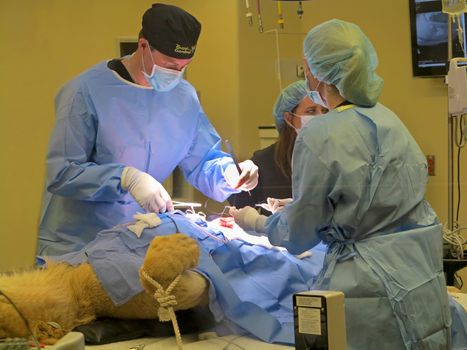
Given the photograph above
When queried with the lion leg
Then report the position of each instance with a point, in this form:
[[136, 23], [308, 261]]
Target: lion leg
[[53, 301], [171, 256]]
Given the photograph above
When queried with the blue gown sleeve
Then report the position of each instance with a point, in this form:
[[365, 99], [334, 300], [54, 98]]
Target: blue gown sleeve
[[205, 163], [297, 226], [70, 170]]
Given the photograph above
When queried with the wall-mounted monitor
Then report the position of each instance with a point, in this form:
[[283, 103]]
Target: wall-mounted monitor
[[429, 32]]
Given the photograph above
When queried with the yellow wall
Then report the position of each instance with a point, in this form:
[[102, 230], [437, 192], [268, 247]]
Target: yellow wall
[[45, 43], [263, 57]]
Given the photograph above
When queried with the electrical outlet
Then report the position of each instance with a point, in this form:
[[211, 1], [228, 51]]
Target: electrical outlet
[[300, 71]]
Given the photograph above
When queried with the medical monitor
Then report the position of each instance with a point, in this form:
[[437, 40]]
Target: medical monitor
[[429, 33]]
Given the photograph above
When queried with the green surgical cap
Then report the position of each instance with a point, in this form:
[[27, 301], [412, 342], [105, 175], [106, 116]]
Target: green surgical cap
[[338, 53], [288, 99]]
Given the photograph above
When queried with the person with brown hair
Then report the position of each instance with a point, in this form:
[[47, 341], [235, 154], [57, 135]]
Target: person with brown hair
[[292, 110]]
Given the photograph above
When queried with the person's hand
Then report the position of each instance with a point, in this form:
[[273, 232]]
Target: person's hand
[[248, 219], [249, 176], [247, 180], [146, 190], [276, 205]]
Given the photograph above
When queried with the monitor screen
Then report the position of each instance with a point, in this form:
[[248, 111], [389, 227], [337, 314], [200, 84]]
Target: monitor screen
[[429, 32]]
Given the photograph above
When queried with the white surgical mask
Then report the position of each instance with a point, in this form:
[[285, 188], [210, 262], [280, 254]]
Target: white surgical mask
[[304, 119], [163, 79]]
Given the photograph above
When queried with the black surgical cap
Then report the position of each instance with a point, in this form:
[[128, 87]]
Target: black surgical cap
[[171, 30]]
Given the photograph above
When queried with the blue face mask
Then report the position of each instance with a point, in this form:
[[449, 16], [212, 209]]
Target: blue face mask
[[315, 96], [163, 79]]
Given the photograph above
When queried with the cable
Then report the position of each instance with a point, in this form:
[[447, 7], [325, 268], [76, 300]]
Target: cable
[[213, 213], [460, 144], [34, 339], [456, 240], [460, 140], [458, 183], [248, 14], [260, 20], [278, 55], [280, 18], [174, 222], [300, 10], [191, 214], [459, 283]]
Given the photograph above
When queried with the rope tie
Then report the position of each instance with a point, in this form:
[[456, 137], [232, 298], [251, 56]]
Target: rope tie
[[166, 302]]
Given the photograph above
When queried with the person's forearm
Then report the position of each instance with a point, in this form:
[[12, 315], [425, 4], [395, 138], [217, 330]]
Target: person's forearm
[[87, 181]]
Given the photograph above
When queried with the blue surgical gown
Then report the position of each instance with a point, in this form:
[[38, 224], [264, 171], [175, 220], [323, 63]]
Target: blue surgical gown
[[358, 185], [104, 123]]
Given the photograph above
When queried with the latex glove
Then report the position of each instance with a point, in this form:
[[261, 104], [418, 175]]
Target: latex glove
[[146, 190], [245, 181], [276, 205], [248, 219], [249, 176]]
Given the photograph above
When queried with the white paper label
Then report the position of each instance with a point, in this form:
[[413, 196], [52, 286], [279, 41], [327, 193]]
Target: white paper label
[[309, 321], [308, 301]]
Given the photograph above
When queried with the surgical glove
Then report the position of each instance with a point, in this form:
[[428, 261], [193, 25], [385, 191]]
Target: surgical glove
[[249, 176], [146, 190], [248, 219], [276, 205], [247, 180]]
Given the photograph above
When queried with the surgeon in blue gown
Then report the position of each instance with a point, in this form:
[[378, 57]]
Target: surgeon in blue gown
[[121, 128], [358, 184]]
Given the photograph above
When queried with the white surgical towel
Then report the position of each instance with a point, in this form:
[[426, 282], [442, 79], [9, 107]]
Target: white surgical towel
[[144, 221]]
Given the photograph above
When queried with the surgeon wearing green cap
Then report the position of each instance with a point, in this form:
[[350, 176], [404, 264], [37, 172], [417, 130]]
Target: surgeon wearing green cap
[[358, 183]]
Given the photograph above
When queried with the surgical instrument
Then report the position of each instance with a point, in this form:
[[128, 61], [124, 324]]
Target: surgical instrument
[[230, 150]]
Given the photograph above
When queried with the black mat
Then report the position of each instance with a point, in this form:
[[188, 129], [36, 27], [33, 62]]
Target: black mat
[[110, 330]]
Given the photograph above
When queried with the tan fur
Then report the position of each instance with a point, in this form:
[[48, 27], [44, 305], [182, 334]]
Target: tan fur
[[73, 296]]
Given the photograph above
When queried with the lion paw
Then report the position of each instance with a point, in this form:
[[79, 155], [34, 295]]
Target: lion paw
[[168, 257], [47, 332]]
